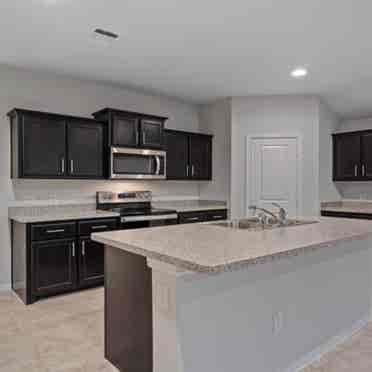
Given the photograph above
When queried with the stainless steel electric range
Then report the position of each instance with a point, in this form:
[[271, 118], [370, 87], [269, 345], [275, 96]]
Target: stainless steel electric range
[[135, 209]]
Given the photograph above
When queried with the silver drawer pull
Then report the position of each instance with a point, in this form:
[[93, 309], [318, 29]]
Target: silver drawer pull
[[55, 231], [73, 249], [193, 219], [83, 247], [99, 227], [218, 216]]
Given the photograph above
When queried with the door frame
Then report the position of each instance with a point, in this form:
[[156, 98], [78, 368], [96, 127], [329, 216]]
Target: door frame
[[248, 166]]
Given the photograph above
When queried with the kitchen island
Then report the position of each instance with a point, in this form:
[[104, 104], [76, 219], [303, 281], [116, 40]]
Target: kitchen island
[[206, 297]]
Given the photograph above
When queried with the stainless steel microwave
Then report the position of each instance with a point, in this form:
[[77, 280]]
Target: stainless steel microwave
[[129, 163]]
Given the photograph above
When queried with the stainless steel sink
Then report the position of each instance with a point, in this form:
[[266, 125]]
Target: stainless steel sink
[[254, 224]]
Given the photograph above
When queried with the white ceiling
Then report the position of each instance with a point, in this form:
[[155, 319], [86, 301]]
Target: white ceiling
[[200, 50]]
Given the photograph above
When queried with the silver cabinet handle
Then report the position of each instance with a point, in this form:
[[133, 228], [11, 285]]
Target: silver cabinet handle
[[63, 165], [83, 247], [157, 159], [143, 138], [363, 170], [73, 249], [215, 217], [99, 227], [193, 219], [192, 171], [55, 231], [71, 166], [187, 170], [355, 170]]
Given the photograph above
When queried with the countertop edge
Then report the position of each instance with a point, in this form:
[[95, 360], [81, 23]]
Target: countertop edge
[[191, 266]]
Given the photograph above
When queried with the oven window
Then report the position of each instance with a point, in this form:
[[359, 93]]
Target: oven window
[[136, 164]]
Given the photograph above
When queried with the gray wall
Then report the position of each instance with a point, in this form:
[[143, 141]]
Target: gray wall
[[215, 118], [42, 91], [275, 115], [328, 123]]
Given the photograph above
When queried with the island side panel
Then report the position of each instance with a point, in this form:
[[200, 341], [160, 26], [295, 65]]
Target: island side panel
[[128, 311]]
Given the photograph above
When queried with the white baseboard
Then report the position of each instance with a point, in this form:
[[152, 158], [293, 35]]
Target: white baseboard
[[328, 346], [5, 287]]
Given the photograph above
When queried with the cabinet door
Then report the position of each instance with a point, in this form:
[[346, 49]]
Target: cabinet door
[[176, 146], [43, 147], [54, 266], [151, 133], [367, 156], [91, 259], [125, 130], [347, 157], [200, 148], [85, 149]]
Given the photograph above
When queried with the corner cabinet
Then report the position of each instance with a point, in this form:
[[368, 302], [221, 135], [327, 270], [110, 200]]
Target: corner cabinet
[[45, 145], [189, 155], [132, 129], [352, 156]]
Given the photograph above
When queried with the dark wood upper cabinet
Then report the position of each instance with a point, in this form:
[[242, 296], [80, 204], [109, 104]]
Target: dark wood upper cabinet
[[41, 144], [125, 130], [189, 155], [177, 148], [85, 149], [201, 157], [352, 156], [152, 133], [347, 157], [45, 145], [132, 129]]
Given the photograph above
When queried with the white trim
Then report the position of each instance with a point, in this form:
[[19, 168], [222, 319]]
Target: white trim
[[327, 346], [5, 287], [299, 140]]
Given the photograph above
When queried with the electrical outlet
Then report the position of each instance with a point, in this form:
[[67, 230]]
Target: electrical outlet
[[278, 322]]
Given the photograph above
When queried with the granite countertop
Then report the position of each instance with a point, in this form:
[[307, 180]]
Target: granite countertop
[[190, 205], [348, 206], [57, 213], [211, 248]]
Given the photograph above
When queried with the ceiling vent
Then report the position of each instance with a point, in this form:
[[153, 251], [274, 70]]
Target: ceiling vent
[[106, 34]]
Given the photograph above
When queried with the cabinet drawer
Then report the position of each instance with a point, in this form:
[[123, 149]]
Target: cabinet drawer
[[92, 226], [215, 215], [191, 217], [53, 231]]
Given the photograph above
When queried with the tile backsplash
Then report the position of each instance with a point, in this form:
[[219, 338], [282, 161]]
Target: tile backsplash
[[51, 192], [355, 190]]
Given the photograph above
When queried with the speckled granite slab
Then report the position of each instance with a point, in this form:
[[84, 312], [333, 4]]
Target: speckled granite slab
[[57, 213], [347, 206], [212, 248], [191, 205]]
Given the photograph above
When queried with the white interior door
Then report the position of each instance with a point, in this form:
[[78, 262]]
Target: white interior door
[[273, 173]]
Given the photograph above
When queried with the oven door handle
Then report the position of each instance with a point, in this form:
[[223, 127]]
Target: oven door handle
[[157, 159], [173, 216]]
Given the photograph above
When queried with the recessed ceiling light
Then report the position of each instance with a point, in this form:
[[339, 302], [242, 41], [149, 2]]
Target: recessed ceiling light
[[299, 72], [106, 33]]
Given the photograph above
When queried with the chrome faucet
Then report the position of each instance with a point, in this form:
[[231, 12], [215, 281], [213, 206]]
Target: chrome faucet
[[282, 216], [281, 219]]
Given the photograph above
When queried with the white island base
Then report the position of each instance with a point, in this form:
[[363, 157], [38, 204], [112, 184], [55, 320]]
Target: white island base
[[276, 316]]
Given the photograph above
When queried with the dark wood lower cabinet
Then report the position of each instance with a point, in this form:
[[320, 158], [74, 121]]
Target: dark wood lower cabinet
[[54, 266], [91, 267], [128, 311], [54, 257]]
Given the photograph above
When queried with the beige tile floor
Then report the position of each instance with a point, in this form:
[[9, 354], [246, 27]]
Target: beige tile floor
[[65, 334], [355, 355]]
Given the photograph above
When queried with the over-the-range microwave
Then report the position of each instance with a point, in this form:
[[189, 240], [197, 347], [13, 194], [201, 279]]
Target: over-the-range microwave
[[130, 163]]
